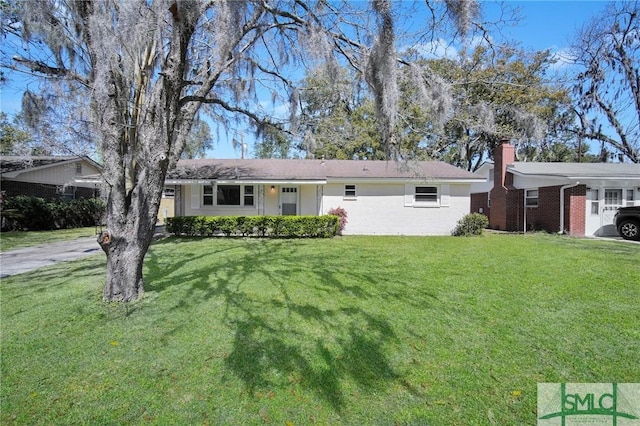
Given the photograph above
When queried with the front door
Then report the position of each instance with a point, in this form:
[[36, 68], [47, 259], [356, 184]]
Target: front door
[[289, 200], [612, 201], [592, 215]]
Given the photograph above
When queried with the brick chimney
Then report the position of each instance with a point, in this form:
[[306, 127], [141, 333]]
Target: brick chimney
[[503, 155]]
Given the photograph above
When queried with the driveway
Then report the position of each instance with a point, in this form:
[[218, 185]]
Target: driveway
[[28, 259]]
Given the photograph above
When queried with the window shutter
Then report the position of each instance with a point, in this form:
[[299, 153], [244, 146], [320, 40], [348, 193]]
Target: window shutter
[[408, 195], [195, 196], [444, 196]]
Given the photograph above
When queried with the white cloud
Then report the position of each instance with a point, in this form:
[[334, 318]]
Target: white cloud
[[435, 49], [563, 58]]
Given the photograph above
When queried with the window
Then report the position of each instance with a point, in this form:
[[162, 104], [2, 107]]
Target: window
[[228, 195], [78, 168], [67, 193], [629, 194], [207, 195], [350, 191], [489, 199], [426, 194], [593, 196], [168, 193], [613, 197], [248, 195], [531, 198]]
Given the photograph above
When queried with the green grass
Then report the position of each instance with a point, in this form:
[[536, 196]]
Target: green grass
[[352, 330], [17, 239]]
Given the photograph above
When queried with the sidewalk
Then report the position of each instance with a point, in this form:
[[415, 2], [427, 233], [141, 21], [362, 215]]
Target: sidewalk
[[30, 258]]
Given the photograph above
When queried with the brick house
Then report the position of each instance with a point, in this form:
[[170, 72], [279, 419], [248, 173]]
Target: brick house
[[573, 198], [49, 177]]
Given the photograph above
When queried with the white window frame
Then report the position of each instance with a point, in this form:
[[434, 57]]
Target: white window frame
[[246, 195], [210, 199], [169, 192], [442, 198], [350, 192], [426, 194], [529, 197]]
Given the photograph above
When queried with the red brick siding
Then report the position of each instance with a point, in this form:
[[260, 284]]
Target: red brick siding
[[575, 201], [498, 217], [479, 202], [546, 217]]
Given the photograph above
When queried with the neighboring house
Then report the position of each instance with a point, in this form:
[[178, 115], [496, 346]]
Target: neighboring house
[[573, 198], [388, 198], [50, 177]]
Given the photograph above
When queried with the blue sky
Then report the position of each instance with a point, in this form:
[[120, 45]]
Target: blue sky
[[544, 25]]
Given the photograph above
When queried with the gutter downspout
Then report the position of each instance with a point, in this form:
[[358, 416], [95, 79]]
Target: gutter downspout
[[562, 189]]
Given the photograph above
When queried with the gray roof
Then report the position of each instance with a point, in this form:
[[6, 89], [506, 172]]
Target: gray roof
[[577, 170], [314, 170], [11, 163]]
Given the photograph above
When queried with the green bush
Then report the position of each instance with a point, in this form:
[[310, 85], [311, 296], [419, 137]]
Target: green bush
[[471, 224], [255, 226], [37, 214]]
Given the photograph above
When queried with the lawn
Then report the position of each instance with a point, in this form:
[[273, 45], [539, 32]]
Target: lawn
[[351, 330], [17, 239]]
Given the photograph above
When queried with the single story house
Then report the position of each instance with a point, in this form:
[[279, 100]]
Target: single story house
[[50, 177], [380, 197], [574, 198]]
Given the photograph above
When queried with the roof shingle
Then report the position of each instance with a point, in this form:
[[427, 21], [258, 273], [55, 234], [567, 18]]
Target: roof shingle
[[300, 169]]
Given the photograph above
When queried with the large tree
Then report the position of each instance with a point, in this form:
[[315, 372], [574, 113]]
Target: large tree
[[500, 92], [607, 52], [147, 67]]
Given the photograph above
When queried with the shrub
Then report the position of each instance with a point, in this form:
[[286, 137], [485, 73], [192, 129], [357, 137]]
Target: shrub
[[471, 224], [36, 214], [258, 226], [342, 214]]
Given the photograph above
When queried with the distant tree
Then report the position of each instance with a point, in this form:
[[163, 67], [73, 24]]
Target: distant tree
[[337, 116], [14, 139], [273, 143], [199, 141], [497, 93], [607, 88]]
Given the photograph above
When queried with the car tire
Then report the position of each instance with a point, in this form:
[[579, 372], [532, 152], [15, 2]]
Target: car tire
[[629, 229]]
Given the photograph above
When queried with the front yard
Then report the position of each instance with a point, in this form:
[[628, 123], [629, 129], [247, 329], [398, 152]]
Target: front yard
[[351, 330]]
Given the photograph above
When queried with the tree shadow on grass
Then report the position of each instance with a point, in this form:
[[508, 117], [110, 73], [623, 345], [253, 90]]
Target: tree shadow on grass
[[306, 323]]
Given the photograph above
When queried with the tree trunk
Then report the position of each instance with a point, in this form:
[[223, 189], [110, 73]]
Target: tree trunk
[[125, 257], [126, 242]]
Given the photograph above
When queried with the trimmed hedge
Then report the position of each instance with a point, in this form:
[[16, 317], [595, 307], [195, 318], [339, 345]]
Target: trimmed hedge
[[254, 226], [37, 214]]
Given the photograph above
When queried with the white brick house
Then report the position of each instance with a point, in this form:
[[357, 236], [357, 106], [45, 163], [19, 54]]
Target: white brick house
[[380, 197]]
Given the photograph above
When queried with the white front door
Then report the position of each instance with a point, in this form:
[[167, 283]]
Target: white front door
[[592, 215], [289, 200], [612, 201]]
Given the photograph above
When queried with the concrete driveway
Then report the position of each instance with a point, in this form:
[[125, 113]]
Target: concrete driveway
[[28, 259]]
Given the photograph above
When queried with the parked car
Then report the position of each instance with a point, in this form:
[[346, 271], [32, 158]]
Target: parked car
[[627, 221]]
